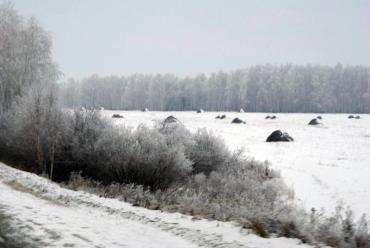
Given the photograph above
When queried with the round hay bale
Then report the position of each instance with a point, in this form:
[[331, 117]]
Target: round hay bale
[[273, 117], [357, 117], [351, 117], [117, 116], [237, 121], [279, 136], [170, 124], [268, 117], [171, 119], [222, 117], [314, 121]]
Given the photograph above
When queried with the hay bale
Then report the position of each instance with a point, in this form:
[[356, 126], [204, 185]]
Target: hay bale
[[279, 136], [351, 117], [319, 117], [169, 125], [357, 117], [314, 121], [117, 116], [268, 117], [171, 119], [221, 117], [273, 117], [237, 121]]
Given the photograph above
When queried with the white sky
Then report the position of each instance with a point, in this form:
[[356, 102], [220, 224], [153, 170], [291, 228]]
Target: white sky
[[193, 36]]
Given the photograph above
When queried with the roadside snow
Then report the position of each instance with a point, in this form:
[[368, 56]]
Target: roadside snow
[[80, 226], [61, 217], [326, 164]]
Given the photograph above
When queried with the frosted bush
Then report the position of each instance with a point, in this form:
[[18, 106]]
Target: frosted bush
[[207, 152], [148, 159]]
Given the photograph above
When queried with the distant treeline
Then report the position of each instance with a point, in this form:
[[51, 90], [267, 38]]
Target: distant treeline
[[261, 88]]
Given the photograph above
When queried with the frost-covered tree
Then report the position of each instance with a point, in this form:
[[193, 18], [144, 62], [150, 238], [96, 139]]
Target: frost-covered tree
[[28, 90], [261, 88], [25, 55]]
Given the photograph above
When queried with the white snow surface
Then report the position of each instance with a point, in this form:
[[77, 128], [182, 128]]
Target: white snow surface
[[326, 165], [64, 218]]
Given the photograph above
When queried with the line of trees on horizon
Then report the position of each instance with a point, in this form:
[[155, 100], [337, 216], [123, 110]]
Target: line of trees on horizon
[[260, 88]]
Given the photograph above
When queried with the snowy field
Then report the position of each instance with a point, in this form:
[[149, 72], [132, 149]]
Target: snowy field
[[45, 215], [326, 165]]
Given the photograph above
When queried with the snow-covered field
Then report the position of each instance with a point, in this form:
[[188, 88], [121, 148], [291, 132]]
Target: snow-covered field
[[326, 165], [46, 215]]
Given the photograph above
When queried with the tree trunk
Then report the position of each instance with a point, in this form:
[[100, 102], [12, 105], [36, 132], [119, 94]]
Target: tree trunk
[[52, 153]]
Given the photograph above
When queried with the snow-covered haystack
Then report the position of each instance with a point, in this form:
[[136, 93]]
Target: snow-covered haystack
[[357, 117], [278, 136], [268, 117], [241, 110], [273, 117], [200, 111], [221, 117], [117, 116], [171, 120], [319, 117], [237, 121], [351, 117], [314, 121], [169, 125]]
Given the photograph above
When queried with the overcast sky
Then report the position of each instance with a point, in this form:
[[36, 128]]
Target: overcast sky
[[193, 36]]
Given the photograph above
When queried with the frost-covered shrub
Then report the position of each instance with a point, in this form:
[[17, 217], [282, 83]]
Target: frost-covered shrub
[[86, 142], [236, 192], [143, 157], [362, 236], [176, 134], [336, 230], [108, 153], [207, 152], [78, 182], [343, 231], [77, 147]]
